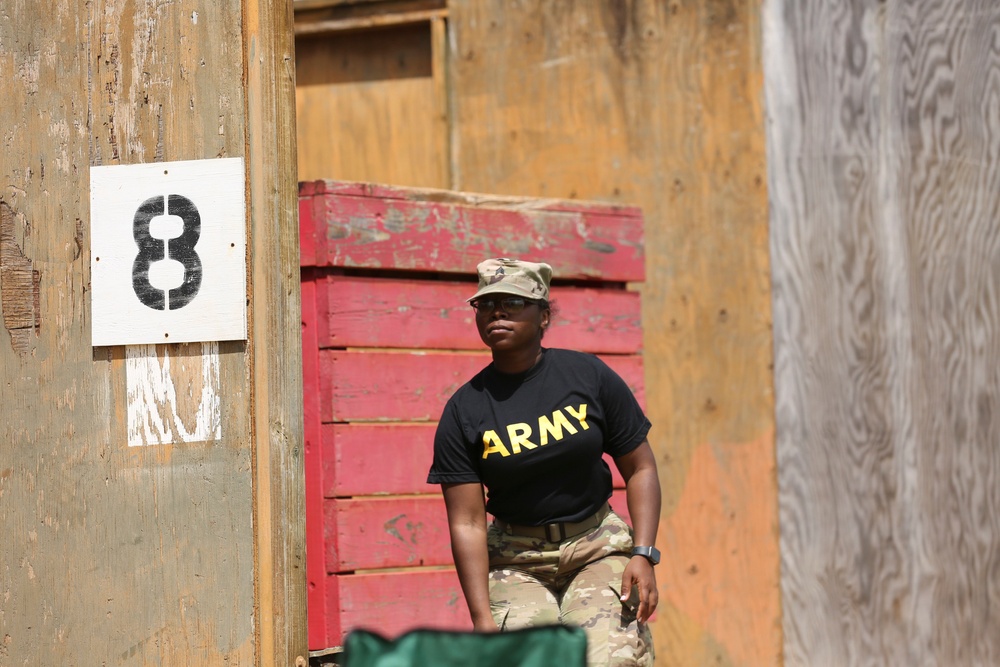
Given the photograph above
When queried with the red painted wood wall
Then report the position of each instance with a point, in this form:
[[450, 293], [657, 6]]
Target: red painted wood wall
[[388, 337]]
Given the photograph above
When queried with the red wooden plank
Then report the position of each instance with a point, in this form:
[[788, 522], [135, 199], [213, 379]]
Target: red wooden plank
[[398, 386], [369, 459], [380, 312], [390, 532], [378, 191], [307, 229], [373, 533], [394, 602], [312, 454], [362, 385], [391, 603], [366, 232]]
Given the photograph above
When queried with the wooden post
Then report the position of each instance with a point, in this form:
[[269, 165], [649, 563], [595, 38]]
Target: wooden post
[[178, 550]]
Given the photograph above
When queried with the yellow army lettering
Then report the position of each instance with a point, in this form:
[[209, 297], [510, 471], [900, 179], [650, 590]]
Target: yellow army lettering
[[518, 434]]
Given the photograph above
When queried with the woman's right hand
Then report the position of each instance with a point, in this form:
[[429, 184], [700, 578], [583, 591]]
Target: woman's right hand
[[486, 625]]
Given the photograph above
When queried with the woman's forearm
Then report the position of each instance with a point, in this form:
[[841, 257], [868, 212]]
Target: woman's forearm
[[468, 546], [642, 493], [467, 526]]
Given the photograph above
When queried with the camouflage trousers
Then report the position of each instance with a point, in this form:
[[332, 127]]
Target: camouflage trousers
[[574, 582]]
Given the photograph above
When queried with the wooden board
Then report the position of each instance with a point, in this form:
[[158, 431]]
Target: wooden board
[[369, 459], [659, 105], [372, 312], [370, 533], [394, 602], [412, 386], [315, 475], [448, 232], [391, 532], [885, 194], [373, 87], [161, 553]]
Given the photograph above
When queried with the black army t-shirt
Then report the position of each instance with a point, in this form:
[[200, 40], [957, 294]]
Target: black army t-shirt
[[535, 439]]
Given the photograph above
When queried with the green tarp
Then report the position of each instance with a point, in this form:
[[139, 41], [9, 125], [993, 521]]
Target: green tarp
[[545, 646]]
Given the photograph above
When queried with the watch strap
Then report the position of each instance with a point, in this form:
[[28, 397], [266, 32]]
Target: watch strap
[[652, 554]]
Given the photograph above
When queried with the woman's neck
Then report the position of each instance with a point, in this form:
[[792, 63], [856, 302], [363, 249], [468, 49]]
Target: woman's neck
[[514, 362]]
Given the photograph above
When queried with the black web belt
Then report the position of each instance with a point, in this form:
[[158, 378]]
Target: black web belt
[[556, 532]]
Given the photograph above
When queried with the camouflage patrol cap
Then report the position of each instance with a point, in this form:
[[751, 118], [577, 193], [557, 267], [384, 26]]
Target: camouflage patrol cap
[[513, 276]]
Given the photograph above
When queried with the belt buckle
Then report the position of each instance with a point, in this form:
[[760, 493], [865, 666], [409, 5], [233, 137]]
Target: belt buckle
[[561, 532]]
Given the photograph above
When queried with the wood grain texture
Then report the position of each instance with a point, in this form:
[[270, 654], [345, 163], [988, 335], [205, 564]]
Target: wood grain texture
[[413, 386], [169, 402], [373, 312], [659, 105], [125, 555], [377, 88], [275, 342], [439, 231], [370, 533], [370, 459], [886, 255], [394, 602], [143, 555]]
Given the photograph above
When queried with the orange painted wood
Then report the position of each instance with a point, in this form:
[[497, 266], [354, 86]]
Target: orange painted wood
[[387, 313], [371, 459], [358, 385], [443, 233], [393, 602], [371, 533]]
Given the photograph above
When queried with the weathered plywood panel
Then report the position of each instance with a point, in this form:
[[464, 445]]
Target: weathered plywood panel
[[379, 312], [659, 105], [886, 254], [145, 554], [370, 106], [413, 386]]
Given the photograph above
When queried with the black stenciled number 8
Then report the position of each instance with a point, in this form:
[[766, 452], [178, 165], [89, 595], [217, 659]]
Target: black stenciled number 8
[[151, 250]]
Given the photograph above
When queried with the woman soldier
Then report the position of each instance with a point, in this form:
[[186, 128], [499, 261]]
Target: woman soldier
[[532, 428]]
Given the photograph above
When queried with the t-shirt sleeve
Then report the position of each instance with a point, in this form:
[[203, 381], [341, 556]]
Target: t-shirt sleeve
[[626, 425], [453, 459]]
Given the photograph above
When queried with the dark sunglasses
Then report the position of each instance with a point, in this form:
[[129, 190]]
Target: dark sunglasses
[[512, 305]]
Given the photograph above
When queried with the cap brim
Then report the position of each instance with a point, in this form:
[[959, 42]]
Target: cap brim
[[501, 288]]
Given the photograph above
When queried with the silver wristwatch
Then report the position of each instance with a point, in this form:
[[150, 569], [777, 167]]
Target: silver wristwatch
[[652, 554]]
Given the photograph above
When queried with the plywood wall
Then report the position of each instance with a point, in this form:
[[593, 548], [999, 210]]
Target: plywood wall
[[161, 553], [656, 104], [884, 172], [660, 105], [371, 101]]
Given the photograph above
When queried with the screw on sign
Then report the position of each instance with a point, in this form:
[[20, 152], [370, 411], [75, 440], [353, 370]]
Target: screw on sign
[[179, 249]]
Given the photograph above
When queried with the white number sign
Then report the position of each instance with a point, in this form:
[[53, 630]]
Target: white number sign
[[168, 252]]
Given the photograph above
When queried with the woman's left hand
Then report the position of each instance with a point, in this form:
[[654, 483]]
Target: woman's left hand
[[639, 575]]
